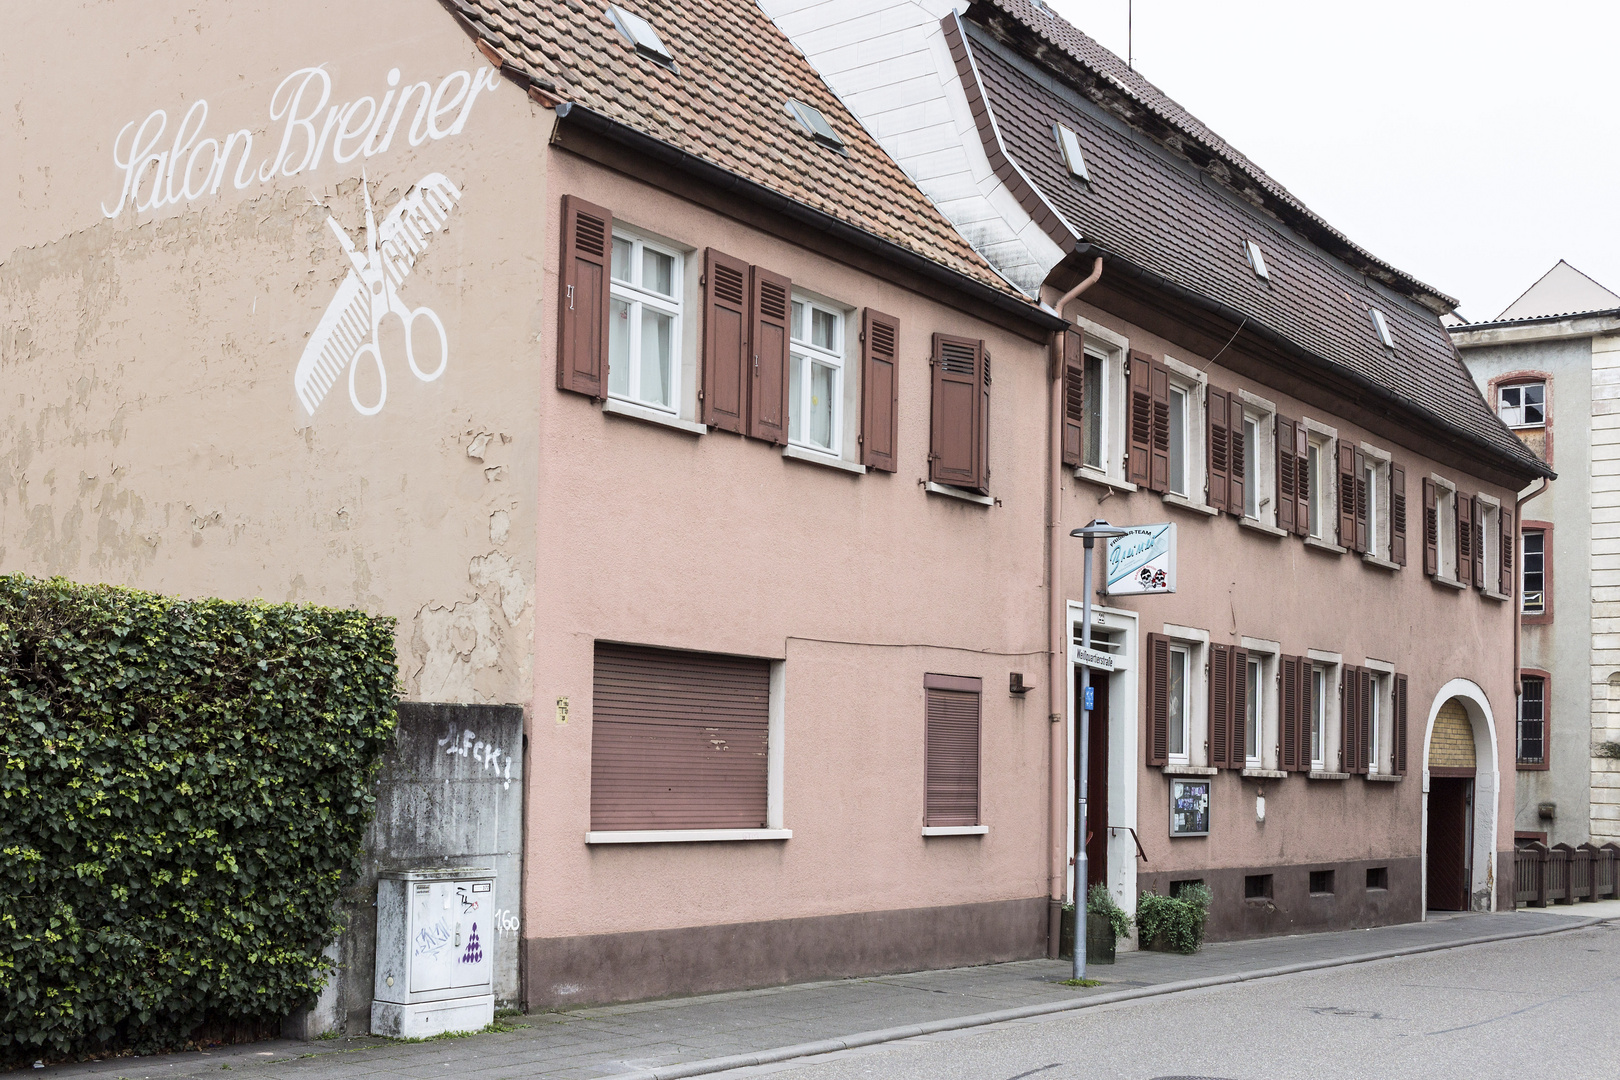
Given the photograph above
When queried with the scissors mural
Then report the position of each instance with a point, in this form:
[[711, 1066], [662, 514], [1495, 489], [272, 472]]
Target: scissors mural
[[347, 332]]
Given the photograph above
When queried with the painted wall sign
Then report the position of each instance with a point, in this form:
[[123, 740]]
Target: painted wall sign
[[1189, 807], [304, 130], [348, 331], [1142, 561]]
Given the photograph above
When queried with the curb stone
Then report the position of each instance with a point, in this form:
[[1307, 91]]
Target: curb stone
[[1024, 1012]]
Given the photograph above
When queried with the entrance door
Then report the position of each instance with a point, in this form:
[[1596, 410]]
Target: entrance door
[[1451, 803], [1097, 788]]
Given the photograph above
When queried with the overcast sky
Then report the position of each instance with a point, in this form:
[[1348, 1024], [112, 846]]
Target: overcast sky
[[1473, 145]]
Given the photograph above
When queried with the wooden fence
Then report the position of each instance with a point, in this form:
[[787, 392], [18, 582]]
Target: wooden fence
[[1563, 875]]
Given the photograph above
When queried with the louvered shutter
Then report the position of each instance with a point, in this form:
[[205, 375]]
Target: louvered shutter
[[1074, 398], [1506, 583], [1159, 384], [1397, 515], [1288, 734], [1238, 748], [1306, 715], [1348, 725], [956, 457], [951, 751], [1236, 484], [1158, 700], [1479, 544], [678, 740], [1220, 706], [1302, 481], [1400, 724], [1364, 693], [768, 306], [1465, 537], [1218, 419], [1431, 530], [1346, 454], [1286, 481], [880, 390], [1363, 526], [1139, 455], [725, 340], [582, 336]]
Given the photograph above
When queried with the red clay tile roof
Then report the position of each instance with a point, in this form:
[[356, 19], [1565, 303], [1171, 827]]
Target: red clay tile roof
[[725, 104]]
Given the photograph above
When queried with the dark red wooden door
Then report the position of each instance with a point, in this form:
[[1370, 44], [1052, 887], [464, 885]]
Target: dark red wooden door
[[1450, 799], [1097, 789]]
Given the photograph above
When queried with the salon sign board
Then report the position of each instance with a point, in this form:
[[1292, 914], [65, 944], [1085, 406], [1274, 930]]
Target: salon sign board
[[1142, 561]]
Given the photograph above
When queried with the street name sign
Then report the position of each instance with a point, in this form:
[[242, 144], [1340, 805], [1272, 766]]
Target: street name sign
[[1091, 658]]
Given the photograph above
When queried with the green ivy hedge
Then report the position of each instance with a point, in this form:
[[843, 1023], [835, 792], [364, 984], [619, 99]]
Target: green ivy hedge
[[185, 784]]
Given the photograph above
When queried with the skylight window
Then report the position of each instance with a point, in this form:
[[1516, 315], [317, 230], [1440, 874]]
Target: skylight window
[[1257, 259], [814, 124], [1069, 147], [1383, 328], [639, 32]]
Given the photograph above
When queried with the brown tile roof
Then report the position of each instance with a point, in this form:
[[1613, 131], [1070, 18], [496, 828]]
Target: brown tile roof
[[1158, 212], [724, 104]]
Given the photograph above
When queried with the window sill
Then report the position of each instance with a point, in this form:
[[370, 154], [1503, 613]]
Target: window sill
[[1318, 774], [614, 407], [1449, 583], [1374, 560], [1189, 770], [1264, 774], [1171, 499], [1491, 594], [826, 461], [955, 830], [684, 836], [957, 493], [1261, 527], [1385, 778], [1102, 479], [1323, 545]]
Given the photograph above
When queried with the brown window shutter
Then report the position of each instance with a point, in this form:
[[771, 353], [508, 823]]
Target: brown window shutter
[[957, 453], [1306, 672], [768, 306], [951, 750], [1235, 480], [1302, 481], [1431, 529], [1238, 748], [1346, 454], [1220, 706], [1158, 700], [678, 740], [1363, 526], [880, 390], [1286, 481], [1217, 412], [725, 340], [1397, 515], [1347, 721], [1074, 400], [1506, 583], [1400, 724], [582, 335], [1159, 384], [1465, 537], [1139, 455], [1288, 728], [1364, 695], [1479, 544]]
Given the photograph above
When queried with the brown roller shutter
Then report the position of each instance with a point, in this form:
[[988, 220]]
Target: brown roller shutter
[[1217, 412], [1363, 526], [1479, 544], [1431, 529], [1465, 537], [951, 750], [768, 305], [1506, 583], [957, 453], [1220, 706], [1159, 469], [1238, 748], [1074, 398], [1346, 455], [725, 340], [1236, 482], [1139, 455], [1288, 727], [1400, 724], [678, 740], [880, 390], [1158, 700], [1302, 481], [587, 231], [1397, 515], [1287, 484]]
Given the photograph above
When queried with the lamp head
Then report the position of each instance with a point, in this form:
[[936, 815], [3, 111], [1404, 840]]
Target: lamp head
[[1098, 528]]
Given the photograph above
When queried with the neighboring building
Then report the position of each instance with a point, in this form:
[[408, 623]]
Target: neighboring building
[[1550, 365], [1294, 407]]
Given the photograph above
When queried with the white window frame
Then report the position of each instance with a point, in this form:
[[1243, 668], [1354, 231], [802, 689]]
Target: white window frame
[[806, 352], [1445, 513], [1112, 348], [1185, 653], [1327, 708], [1263, 486], [1491, 525], [1195, 707], [1324, 491], [1517, 421], [1381, 752], [1263, 754], [637, 297], [1378, 503], [1194, 384]]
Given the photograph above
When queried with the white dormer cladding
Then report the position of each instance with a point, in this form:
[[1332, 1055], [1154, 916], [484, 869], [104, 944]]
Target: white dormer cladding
[[889, 63]]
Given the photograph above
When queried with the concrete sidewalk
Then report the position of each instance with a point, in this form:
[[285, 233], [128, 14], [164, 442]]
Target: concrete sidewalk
[[690, 1036]]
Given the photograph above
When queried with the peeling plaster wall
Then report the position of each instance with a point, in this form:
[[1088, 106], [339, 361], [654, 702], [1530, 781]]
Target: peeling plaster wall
[[149, 430]]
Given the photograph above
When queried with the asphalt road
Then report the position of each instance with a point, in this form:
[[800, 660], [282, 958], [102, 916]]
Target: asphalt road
[[1538, 1007]]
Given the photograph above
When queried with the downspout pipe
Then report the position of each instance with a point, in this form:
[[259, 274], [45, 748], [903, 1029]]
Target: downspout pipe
[[1518, 585], [1057, 681]]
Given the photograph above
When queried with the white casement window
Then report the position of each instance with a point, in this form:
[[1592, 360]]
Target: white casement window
[[1445, 505], [1376, 475], [1251, 465], [816, 377], [1375, 731], [1321, 683], [1180, 704], [1179, 438], [1259, 458], [1262, 721], [644, 323], [1103, 425], [1093, 429], [1533, 572], [1490, 516], [1523, 405], [1254, 723], [1186, 433], [1319, 470]]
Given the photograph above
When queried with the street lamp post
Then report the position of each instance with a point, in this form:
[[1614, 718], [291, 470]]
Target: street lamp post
[[1088, 534]]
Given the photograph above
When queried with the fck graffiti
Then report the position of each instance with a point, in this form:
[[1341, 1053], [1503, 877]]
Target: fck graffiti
[[305, 130]]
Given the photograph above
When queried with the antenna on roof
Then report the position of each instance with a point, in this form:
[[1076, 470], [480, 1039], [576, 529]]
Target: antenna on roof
[[1130, 34]]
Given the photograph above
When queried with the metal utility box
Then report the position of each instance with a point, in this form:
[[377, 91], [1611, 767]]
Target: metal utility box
[[435, 952]]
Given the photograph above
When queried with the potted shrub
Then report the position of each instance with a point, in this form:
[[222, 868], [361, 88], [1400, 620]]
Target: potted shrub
[[1173, 923], [1106, 923]]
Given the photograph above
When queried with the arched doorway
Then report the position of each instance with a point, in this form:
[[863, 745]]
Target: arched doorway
[[1453, 768]]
